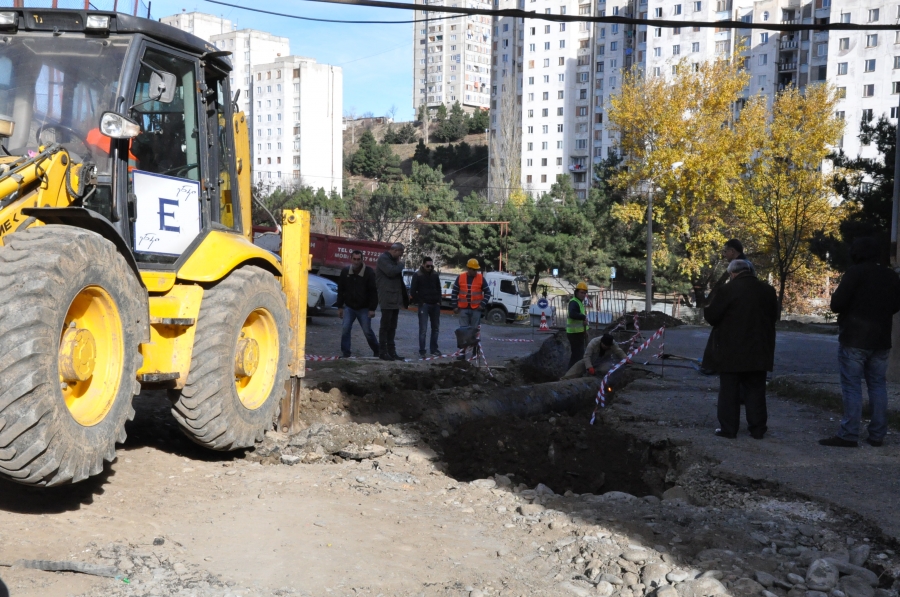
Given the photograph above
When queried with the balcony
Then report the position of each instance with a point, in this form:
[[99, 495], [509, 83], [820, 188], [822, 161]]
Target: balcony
[[785, 66], [788, 45], [790, 21], [578, 167]]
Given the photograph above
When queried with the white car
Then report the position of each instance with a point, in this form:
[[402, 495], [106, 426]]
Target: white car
[[321, 294]]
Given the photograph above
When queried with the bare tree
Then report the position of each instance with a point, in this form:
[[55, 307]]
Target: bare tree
[[350, 115], [322, 221], [505, 170], [391, 112]]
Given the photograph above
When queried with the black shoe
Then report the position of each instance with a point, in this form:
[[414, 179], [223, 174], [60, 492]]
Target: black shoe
[[397, 357], [758, 436], [376, 354], [422, 354], [838, 442], [385, 357], [875, 443], [721, 433], [436, 353], [346, 355]]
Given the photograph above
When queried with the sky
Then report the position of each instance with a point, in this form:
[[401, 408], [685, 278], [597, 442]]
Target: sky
[[376, 59]]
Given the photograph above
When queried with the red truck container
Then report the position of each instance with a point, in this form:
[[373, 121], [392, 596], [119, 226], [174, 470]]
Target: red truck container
[[329, 254], [332, 253]]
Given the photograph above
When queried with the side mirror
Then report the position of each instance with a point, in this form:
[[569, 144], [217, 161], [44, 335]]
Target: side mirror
[[117, 126], [164, 84]]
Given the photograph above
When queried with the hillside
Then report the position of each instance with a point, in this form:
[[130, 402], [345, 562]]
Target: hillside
[[463, 182]]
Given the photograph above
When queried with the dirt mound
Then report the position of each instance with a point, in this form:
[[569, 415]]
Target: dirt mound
[[654, 321], [325, 443]]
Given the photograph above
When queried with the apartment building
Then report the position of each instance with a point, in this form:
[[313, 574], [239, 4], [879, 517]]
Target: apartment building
[[200, 24], [297, 124], [864, 66], [452, 57]]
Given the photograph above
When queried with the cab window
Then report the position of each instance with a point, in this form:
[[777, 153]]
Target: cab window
[[221, 155], [164, 161]]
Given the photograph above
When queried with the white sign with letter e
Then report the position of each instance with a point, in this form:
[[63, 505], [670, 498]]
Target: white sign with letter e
[[167, 213]]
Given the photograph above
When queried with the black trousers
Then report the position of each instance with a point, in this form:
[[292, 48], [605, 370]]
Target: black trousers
[[576, 343], [748, 387], [388, 330]]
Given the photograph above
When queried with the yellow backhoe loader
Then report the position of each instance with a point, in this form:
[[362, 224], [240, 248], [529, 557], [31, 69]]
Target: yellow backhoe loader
[[127, 260]]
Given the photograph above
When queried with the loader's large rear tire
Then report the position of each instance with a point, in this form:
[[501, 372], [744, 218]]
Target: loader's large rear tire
[[240, 362], [72, 316]]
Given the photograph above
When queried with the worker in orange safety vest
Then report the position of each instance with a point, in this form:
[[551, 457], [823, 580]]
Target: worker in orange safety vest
[[469, 297]]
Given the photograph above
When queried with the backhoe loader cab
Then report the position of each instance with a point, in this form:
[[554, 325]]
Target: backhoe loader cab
[[126, 258]]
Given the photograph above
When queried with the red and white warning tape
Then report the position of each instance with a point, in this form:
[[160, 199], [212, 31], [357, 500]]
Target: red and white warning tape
[[601, 394], [443, 356], [511, 340], [315, 357]]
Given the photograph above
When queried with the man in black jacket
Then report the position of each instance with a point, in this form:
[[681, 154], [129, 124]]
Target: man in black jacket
[[741, 348], [357, 300], [865, 301], [425, 293]]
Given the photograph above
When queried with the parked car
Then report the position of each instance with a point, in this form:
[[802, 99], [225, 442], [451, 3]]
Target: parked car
[[327, 293]]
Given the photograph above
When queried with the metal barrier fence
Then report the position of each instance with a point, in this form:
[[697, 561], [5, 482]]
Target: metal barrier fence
[[133, 7], [605, 306]]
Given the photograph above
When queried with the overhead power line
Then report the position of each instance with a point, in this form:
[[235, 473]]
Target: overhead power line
[[522, 14], [289, 16]]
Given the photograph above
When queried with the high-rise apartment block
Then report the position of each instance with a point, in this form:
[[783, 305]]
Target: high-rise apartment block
[[452, 57], [555, 80], [294, 104], [297, 123]]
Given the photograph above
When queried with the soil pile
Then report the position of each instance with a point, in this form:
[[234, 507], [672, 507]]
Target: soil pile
[[651, 323]]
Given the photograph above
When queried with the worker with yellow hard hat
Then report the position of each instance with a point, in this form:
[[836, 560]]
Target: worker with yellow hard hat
[[469, 297], [577, 323]]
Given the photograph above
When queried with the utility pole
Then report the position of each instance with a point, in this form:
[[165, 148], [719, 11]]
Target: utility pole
[[648, 304], [893, 373]]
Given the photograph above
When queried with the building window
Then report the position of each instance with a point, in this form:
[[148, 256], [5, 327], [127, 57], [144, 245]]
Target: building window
[[677, 10], [528, 177], [546, 62], [545, 129], [530, 113], [871, 40], [559, 111], [867, 115], [657, 12], [763, 59], [842, 68], [844, 43], [870, 65], [559, 127], [868, 90], [530, 147], [698, 6], [560, 94], [896, 61], [543, 178], [545, 112], [839, 115], [657, 32], [841, 92], [544, 145], [821, 50], [895, 87], [543, 161], [676, 50], [657, 52], [695, 46], [764, 38], [580, 143], [530, 130], [582, 111], [874, 14]]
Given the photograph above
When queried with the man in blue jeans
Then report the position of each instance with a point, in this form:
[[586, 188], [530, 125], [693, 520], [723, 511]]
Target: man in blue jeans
[[425, 293], [357, 300], [865, 301]]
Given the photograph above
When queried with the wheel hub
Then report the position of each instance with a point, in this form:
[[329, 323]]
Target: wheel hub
[[246, 358], [77, 355]]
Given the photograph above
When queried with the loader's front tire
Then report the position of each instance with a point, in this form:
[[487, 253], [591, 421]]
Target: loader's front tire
[[239, 365], [72, 316]]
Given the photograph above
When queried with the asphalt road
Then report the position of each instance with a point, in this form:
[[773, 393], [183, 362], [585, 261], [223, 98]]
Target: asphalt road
[[795, 352]]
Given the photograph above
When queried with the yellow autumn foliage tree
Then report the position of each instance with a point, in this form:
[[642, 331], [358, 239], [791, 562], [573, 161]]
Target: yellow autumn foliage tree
[[784, 198], [681, 138]]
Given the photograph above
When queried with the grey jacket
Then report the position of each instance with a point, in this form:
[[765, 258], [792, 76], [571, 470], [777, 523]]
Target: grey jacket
[[389, 280]]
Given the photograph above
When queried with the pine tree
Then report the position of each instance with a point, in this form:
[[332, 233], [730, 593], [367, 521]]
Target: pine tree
[[422, 154]]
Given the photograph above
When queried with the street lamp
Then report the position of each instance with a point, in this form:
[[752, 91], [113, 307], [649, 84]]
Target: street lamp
[[648, 299]]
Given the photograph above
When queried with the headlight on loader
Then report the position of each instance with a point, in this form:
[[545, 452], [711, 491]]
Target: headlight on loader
[[117, 126]]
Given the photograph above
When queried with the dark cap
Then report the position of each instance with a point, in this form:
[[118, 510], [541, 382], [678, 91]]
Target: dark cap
[[864, 249], [735, 244], [607, 340]]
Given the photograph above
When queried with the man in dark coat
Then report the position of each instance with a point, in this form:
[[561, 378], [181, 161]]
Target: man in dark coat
[[391, 298], [356, 301], [865, 301], [425, 293], [741, 348]]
